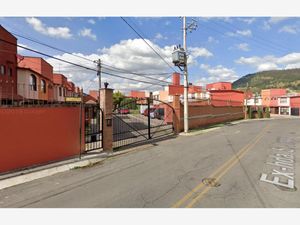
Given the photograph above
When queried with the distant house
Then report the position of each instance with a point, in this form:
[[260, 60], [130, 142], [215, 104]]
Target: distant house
[[35, 79], [270, 98], [60, 87], [166, 95], [219, 86]]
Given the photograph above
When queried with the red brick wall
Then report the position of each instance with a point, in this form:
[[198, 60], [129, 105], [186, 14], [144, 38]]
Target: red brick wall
[[203, 115], [295, 102], [32, 136], [227, 98]]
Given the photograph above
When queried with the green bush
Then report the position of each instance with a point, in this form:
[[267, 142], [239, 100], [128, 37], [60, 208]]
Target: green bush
[[250, 113], [267, 112], [260, 113]]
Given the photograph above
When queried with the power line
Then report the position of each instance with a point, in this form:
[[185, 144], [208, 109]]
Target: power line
[[81, 57], [262, 46], [259, 40], [52, 47], [75, 64], [148, 44]]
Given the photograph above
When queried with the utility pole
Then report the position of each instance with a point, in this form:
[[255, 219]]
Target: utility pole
[[99, 75], [191, 26], [246, 105], [186, 87]]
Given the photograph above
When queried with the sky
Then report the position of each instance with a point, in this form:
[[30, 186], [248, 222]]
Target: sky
[[220, 49]]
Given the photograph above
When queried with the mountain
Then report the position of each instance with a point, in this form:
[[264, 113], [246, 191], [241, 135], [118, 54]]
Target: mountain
[[270, 79]]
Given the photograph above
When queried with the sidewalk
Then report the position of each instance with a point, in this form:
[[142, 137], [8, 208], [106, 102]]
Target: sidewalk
[[86, 160]]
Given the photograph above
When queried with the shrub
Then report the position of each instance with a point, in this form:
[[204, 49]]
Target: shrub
[[260, 113], [267, 113]]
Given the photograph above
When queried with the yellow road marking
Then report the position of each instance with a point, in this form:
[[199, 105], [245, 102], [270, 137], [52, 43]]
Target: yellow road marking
[[200, 196], [221, 168]]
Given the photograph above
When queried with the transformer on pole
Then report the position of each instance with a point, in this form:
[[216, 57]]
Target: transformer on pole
[[179, 57]]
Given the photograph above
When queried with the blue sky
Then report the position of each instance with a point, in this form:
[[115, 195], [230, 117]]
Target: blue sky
[[221, 49]]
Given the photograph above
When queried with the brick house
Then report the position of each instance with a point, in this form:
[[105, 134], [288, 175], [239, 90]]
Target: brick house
[[219, 86], [35, 79], [8, 67], [270, 98], [60, 87]]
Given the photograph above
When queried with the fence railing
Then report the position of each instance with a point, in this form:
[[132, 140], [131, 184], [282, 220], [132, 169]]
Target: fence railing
[[14, 95]]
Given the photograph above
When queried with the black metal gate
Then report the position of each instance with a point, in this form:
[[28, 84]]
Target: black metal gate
[[141, 120], [93, 122], [295, 112]]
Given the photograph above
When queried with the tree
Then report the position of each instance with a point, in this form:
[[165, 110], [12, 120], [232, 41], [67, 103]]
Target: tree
[[118, 97]]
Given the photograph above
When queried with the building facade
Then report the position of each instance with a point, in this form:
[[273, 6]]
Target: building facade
[[35, 79], [270, 98], [8, 67]]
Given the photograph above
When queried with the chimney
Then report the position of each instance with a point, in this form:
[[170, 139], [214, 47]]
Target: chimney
[[176, 79]]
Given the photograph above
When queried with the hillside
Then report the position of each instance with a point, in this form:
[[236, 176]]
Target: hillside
[[270, 79]]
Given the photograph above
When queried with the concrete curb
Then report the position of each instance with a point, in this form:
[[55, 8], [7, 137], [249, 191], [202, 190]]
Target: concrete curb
[[12, 181], [193, 133]]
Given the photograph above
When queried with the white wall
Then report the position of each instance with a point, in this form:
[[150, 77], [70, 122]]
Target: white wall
[[24, 89]]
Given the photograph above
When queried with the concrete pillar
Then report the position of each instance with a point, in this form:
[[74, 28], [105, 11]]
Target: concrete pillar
[[106, 104], [177, 114]]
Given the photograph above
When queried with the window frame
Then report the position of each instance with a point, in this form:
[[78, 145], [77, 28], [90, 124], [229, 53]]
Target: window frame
[[33, 82], [2, 69], [43, 86]]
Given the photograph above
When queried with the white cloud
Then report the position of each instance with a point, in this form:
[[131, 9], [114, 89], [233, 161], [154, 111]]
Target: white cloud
[[272, 21], [20, 49], [292, 29], [85, 32], [57, 32], [247, 33], [159, 36], [243, 47], [225, 19], [167, 23], [91, 21], [270, 62], [276, 20], [218, 73], [132, 55], [248, 20], [212, 40], [199, 52]]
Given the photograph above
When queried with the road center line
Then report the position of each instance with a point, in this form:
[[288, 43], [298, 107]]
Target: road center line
[[233, 159]]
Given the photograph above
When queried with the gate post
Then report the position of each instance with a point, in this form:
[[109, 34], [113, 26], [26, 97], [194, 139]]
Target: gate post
[[177, 114], [106, 104], [149, 119]]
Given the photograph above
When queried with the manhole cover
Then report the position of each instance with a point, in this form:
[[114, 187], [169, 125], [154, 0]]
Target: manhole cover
[[211, 182], [285, 188]]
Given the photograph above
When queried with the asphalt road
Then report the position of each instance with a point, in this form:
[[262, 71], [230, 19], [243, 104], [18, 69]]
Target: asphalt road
[[234, 166]]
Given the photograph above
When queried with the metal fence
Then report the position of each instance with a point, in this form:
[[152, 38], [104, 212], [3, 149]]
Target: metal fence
[[133, 126], [14, 95]]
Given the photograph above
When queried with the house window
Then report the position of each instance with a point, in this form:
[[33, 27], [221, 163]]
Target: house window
[[10, 71], [32, 82], [283, 100], [60, 92], [43, 86], [2, 70]]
